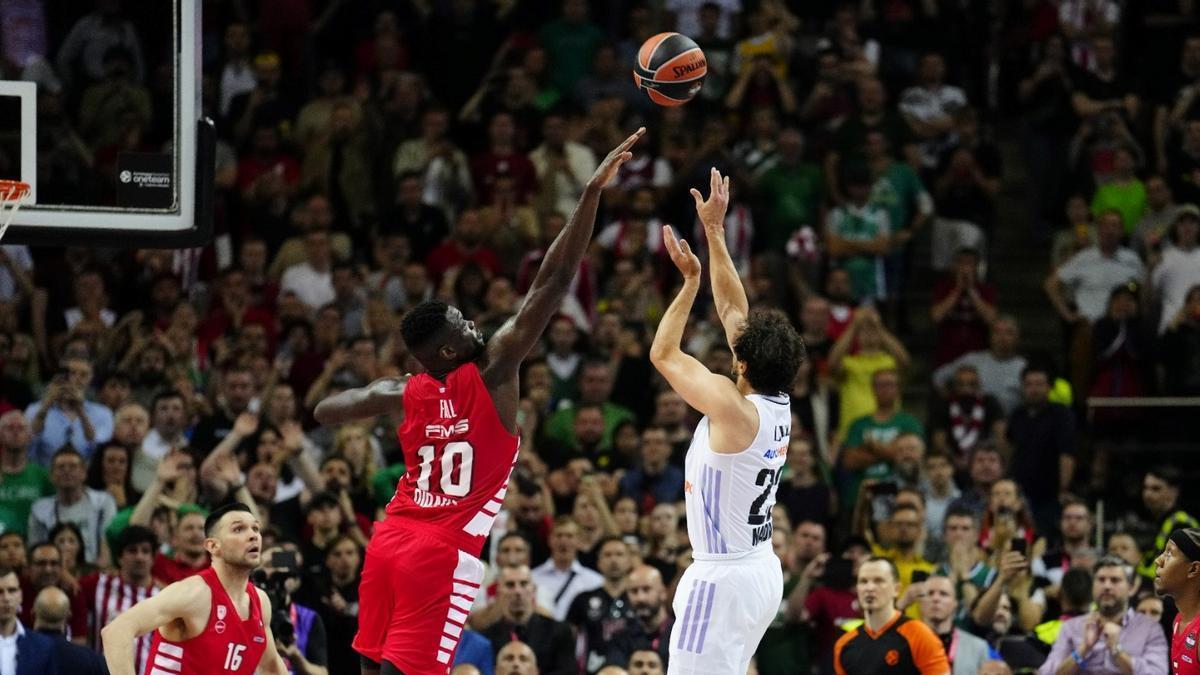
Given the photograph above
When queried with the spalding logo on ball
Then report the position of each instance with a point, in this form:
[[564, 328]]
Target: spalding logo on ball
[[671, 68]]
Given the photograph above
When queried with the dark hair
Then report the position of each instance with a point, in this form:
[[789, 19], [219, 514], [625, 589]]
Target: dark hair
[[133, 536], [604, 541], [890, 565], [5, 570], [65, 450], [214, 518], [1167, 474], [65, 525], [422, 323], [321, 500], [166, 395], [1077, 588], [95, 471], [960, 511], [514, 534], [772, 351], [113, 376], [897, 508], [1037, 368]]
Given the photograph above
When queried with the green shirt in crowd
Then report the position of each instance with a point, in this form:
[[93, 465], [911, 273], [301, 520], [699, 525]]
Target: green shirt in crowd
[[18, 492]]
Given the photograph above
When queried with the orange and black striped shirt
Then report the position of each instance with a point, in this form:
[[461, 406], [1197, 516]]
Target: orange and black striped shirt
[[902, 647]]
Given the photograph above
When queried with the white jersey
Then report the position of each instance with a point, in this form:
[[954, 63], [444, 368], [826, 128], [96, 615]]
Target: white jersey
[[729, 496]]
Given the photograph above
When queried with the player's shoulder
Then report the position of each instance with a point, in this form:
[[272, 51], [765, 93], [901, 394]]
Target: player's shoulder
[[847, 637]]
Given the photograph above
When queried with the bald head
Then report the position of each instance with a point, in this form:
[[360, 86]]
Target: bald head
[[465, 669], [51, 609], [612, 670], [516, 658]]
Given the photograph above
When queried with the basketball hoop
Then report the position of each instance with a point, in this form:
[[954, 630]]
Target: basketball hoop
[[12, 194]]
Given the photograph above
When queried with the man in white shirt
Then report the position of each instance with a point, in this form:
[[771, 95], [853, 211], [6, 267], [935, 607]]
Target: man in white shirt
[[90, 510], [1079, 289], [21, 651], [312, 280], [687, 15], [563, 577], [168, 422], [563, 166], [930, 106], [1179, 270]]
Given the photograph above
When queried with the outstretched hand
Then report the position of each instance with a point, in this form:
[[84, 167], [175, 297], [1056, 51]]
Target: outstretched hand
[[620, 154], [712, 211], [681, 254]]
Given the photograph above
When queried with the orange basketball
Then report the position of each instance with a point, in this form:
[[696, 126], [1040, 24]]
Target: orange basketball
[[671, 68]]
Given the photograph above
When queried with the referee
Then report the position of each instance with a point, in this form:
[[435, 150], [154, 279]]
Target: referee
[[1177, 574], [888, 643]]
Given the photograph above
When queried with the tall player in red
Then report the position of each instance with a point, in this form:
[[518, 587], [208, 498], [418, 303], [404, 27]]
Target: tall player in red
[[1177, 574], [213, 622], [459, 435]]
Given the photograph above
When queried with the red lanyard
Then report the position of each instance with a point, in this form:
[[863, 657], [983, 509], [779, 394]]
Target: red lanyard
[[953, 645]]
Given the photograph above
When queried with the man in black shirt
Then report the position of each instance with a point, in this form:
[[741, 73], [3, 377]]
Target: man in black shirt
[[551, 641], [1042, 435], [652, 629], [600, 614]]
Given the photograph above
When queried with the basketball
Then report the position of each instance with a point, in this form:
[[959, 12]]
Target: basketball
[[670, 68]]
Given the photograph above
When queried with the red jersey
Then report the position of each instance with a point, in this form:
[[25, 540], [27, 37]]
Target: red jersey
[[1185, 660], [459, 456], [227, 644]]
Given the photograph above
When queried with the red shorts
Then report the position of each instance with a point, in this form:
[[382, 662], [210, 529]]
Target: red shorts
[[414, 598]]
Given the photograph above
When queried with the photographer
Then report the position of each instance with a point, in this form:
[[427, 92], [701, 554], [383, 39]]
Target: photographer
[[299, 631], [64, 416]]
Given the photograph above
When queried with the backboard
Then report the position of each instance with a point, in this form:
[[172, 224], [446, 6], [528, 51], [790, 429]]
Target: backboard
[[100, 115]]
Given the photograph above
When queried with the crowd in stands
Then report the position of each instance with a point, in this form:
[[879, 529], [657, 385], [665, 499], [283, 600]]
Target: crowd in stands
[[377, 153]]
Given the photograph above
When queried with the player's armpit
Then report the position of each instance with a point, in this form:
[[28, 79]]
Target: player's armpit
[[272, 663], [179, 600]]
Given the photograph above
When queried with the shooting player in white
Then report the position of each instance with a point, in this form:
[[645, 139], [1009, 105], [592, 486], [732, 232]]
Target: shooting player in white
[[731, 592]]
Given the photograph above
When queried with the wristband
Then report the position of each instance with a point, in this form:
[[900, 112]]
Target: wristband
[[1078, 659]]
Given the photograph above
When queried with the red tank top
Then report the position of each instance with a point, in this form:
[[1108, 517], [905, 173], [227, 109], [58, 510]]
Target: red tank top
[[1185, 659], [227, 645], [459, 456]]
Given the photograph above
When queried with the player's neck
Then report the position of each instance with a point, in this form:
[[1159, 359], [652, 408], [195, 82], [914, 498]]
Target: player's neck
[[1188, 606], [876, 619], [233, 579]]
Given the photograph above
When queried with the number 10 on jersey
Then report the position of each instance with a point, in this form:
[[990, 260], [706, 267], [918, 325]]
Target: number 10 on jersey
[[455, 462]]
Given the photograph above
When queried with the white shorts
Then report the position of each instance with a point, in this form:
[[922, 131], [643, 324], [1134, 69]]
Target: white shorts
[[722, 609]]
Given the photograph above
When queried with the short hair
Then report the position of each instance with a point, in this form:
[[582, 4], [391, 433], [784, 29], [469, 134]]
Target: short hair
[[210, 523], [897, 508], [1036, 368], [605, 541], [166, 395], [1076, 501], [1114, 561], [771, 349], [63, 452], [5, 570], [890, 565], [135, 535], [938, 454], [960, 511], [1167, 474], [514, 534], [422, 323], [560, 521], [1077, 587]]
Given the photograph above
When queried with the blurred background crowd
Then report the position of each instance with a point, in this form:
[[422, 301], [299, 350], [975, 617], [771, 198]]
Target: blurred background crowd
[[981, 215]]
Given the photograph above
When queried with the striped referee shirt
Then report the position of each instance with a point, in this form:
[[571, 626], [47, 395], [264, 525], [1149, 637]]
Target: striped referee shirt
[[108, 595]]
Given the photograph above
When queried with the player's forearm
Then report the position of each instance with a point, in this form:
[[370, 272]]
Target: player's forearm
[[728, 293], [670, 329], [562, 258]]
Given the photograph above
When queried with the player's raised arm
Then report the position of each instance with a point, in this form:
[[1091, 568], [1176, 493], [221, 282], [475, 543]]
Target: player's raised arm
[[189, 597], [714, 395], [385, 395], [517, 336], [728, 293]]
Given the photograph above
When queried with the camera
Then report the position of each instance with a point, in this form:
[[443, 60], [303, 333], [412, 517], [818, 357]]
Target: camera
[[274, 584]]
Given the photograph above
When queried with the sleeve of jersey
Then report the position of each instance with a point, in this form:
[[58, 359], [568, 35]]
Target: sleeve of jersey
[[928, 654], [838, 647]]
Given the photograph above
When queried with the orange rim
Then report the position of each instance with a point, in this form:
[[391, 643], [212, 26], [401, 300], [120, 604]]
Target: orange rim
[[13, 189]]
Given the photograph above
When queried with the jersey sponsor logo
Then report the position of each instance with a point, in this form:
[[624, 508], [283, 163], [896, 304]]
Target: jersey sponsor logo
[[441, 432], [446, 407], [892, 657], [428, 500], [687, 486], [776, 453], [1190, 640], [259, 638], [219, 626], [1186, 659]]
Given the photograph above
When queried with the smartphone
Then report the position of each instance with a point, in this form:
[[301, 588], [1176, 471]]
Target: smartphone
[[887, 487], [1020, 545], [284, 560], [919, 575]]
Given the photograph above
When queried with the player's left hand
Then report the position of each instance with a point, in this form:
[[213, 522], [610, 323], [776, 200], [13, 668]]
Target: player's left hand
[[681, 254], [712, 211], [620, 154]]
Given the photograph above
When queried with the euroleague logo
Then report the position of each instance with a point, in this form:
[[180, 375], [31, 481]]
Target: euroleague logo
[[219, 626], [892, 657]]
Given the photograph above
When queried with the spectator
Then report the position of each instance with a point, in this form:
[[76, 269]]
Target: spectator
[[64, 416], [1155, 224], [902, 550], [606, 611], [52, 608], [562, 164], [1160, 496], [939, 491], [443, 166], [1179, 270], [805, 495], [503, 157], [31, 651], [167, 426], [562, 578], [964, 309], [550, 641], [791, 192], [1181, 347], [1091, 274], [1123, 192], [872, 448], [516, 658], [79, 58], [998, 368], [850, 137], [649, 637], [312, 280], [655, 481], [595, 388], [46, 571], [930, 106], [466, 244], [939, 607], [877, 350], [859, 235], [1075, 549], [73, 502], [108, 472], [108, 594], [308, 651], [237, 390], [187, 545], [1042, 435], [1112, 639], [965, 563], [570, 43], [964, 419], [24, 482]]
